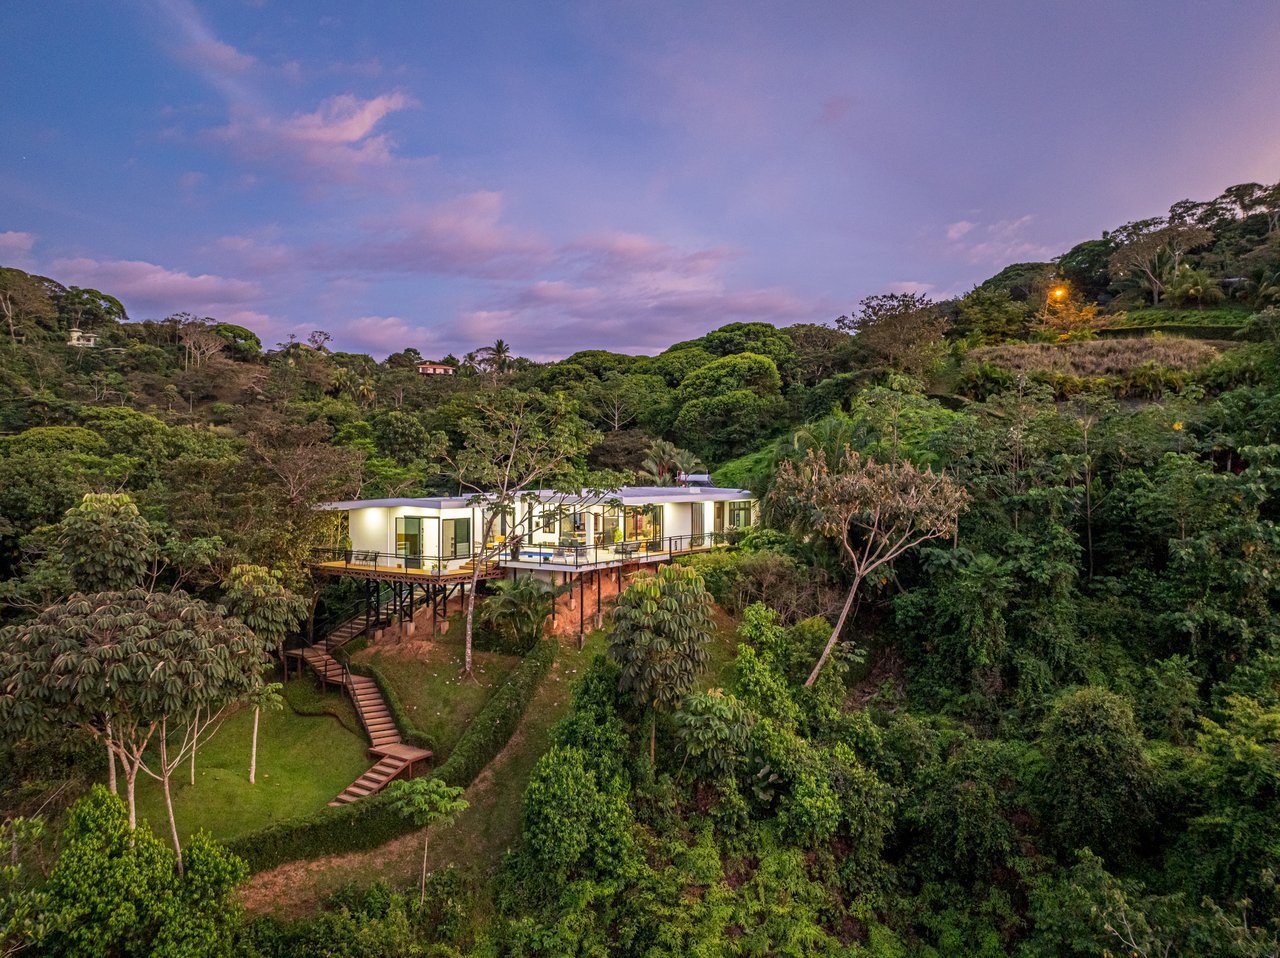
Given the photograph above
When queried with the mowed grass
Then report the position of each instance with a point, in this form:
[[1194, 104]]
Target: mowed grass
[[303, 762], [428, 680], [476, 842]]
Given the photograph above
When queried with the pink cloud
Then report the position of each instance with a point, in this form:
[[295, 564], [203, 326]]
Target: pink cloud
[[15, 247], [149, 288], [910, 286], [339, 138], [549, 319], [998, 243], [611, 254], [463, 237], [255, 255], [387, 334]]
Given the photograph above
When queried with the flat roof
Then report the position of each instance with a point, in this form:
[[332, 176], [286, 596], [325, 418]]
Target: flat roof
[[429, 502], [627, 495]]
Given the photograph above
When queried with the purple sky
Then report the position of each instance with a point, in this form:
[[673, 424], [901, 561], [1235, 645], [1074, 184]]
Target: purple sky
[[602, 174]]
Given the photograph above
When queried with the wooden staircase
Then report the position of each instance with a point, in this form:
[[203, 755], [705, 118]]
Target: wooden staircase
[[393, 756], [372, 709], [371, 781]]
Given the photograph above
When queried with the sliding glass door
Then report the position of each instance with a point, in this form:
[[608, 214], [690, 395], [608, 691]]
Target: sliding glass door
[[409, 540]]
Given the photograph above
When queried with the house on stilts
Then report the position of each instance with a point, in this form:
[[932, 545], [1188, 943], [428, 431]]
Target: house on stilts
[[412, 552]]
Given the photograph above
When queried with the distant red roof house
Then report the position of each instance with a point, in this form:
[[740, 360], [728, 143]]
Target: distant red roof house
[[435, 369]]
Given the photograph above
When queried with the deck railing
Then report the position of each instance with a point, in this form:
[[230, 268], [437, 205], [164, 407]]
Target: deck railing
[[567, 555]]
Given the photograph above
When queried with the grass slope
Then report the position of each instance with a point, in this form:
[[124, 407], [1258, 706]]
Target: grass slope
[[427, 679], [303, 762], [1098, 357], [491, 824]]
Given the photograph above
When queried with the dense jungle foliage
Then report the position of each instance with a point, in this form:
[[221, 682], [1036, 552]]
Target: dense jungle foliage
[[1052, 730]]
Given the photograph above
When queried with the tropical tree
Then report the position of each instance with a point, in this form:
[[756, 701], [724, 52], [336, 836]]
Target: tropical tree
[[1100, 777], [661, 628], [665, 462], [106, 543], [1152, 257], [876, 511], [497, 358], [134, 671], [514, 442], [903, 329], [114, 891], [425, 802], [714, 730], [256, 596], [23, 904], [1194, 285], [520, 606], [25, 299]]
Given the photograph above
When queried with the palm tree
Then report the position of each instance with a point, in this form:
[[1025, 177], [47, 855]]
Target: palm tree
[[1194, 284], [662, 462], [470, 364], [497, 357]]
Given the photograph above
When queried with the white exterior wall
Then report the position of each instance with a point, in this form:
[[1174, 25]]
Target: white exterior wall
[[675, 519], [369, 530], [374, 530]]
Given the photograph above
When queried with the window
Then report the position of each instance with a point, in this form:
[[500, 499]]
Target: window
[[739, 514], [549, 521]]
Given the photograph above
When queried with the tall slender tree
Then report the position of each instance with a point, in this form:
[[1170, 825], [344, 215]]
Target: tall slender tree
[[425, 802], [515, 442], [256, 595]]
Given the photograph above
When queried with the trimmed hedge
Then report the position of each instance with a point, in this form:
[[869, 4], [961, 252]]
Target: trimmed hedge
[[371, 821], [304, 701], [491, 729]]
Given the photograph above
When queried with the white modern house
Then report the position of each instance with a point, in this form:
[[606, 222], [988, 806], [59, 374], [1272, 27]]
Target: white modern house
[[441, 537]]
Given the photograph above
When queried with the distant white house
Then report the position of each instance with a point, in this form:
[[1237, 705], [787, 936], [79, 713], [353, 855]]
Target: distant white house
[[440, 536], [435, 369], [78, 337]]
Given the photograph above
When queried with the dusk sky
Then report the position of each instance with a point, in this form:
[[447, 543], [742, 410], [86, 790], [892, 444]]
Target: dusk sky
[[602, 174]]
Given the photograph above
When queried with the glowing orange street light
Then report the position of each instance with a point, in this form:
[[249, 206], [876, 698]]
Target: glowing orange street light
[[1059, 292]]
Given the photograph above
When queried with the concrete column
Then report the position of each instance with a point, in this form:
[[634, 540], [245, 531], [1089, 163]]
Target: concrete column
[[591, 528]]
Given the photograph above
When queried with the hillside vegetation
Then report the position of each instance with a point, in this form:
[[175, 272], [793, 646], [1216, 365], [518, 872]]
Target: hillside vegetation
[[998, 672]]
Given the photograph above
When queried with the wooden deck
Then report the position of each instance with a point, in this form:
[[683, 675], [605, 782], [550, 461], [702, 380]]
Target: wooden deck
[[396, 573]]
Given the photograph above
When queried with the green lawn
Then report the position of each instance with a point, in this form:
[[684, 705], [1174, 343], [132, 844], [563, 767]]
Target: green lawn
[[483, 832], [430, 686], [303, 762]]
